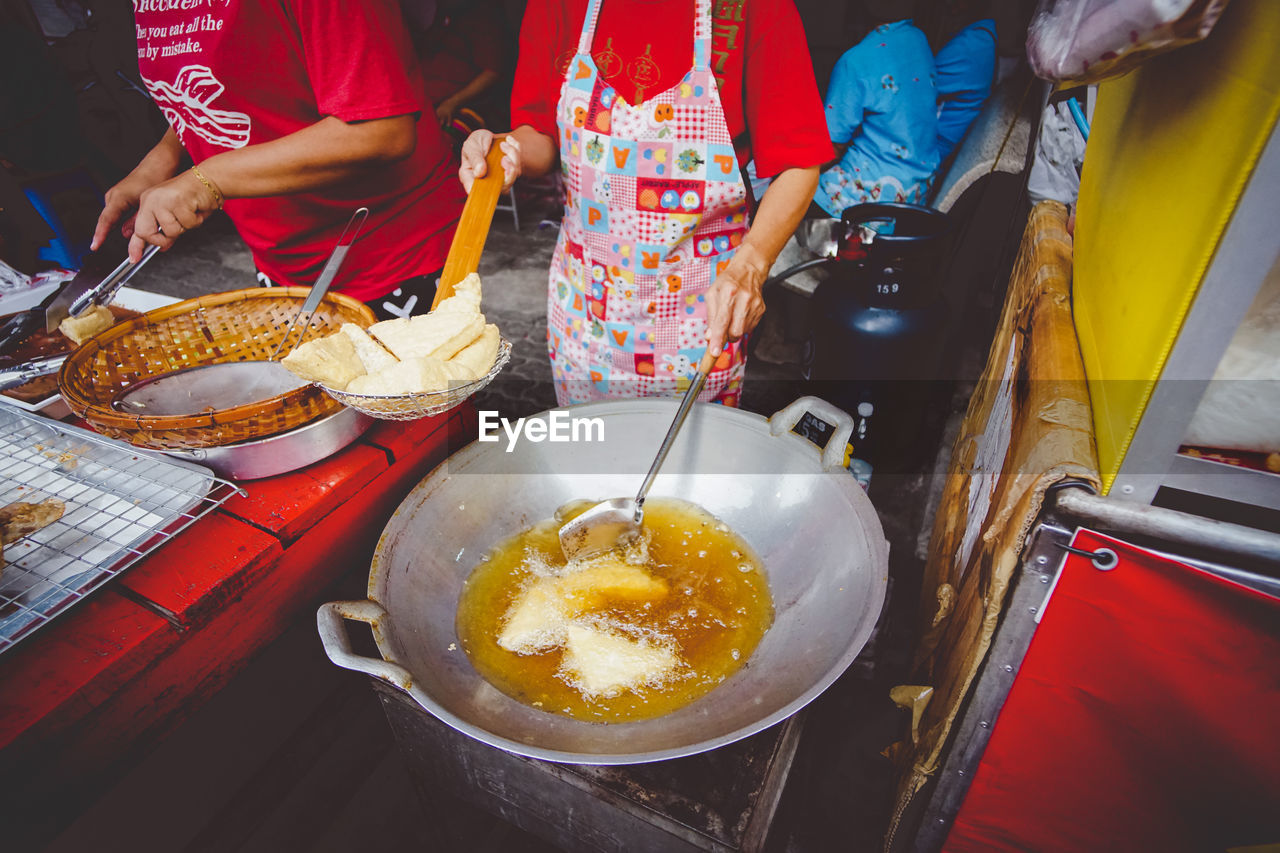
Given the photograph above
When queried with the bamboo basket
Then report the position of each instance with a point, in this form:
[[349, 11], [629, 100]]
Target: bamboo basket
[[240, 325]]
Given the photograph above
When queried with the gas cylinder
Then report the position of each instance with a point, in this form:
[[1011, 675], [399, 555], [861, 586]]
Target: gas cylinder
[[880, 324]]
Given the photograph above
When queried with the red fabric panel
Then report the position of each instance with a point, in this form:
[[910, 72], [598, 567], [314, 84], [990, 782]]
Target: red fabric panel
[[1143, 717]]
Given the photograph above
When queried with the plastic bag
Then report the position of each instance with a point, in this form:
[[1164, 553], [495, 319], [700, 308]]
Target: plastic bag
[[1075, 42], [1055, 170]]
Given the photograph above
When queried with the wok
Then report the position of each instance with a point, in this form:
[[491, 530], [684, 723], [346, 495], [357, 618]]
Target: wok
[[811, 524]]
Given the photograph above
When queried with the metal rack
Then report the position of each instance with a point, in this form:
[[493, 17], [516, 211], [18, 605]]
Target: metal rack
[[1241, 554], [120, 503]]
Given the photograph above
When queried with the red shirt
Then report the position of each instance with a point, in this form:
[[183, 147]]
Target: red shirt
[[243, 72], [455, 49], [643, 47]]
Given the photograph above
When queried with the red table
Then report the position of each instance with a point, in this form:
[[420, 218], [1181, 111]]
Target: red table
[[90, 690]]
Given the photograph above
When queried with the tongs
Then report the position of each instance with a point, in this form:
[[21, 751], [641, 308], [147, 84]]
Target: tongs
[[12, 377], [93, 285], [616, 522]]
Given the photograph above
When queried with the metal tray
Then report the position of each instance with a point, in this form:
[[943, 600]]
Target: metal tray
[[120, 505]]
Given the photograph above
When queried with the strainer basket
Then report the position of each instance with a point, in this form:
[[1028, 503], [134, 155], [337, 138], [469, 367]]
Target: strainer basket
[[407, 407]]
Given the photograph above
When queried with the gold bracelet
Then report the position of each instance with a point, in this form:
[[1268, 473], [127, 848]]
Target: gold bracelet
[[217, 193]]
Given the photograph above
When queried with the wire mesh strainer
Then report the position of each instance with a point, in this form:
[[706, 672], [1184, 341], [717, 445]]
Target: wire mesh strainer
[[407, 407]]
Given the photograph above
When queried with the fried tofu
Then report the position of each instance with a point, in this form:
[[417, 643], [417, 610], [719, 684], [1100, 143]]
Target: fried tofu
[[541, 615], [96, 319], [331, 361], [602, 663], [373, 355]]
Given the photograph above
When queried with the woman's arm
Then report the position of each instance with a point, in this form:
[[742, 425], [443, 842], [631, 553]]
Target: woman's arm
[[157, 166], [525, 152], [734, 302], [478, 85], [322, 154]]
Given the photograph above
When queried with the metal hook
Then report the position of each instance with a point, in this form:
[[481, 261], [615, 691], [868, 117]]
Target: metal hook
[[1103, 559]]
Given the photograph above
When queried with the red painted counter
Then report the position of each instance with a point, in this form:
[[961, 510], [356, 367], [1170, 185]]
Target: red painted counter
[[92, 689]]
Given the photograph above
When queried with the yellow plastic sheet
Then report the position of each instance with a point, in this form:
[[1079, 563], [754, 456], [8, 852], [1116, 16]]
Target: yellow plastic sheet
[[1171, 149]]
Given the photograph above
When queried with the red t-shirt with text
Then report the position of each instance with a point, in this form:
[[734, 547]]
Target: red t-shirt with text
[[231, 73], [759, 56]]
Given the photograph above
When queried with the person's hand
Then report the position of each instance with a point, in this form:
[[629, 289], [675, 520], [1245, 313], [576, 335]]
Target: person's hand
[[474, 151], [168, 210], [445, 110], [120, 201], [734, 302]]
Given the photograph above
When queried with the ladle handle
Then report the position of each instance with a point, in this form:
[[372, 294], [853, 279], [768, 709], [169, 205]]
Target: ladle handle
[[695, 388], [337, 644], [326, 277], [473, 226], [339, 254]]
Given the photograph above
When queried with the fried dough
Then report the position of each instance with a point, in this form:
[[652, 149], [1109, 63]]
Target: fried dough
[[373, 355], [479, 355], [22, 519], [602, 663], [79, 329], [439, 335], [406, 355], [330, 361]]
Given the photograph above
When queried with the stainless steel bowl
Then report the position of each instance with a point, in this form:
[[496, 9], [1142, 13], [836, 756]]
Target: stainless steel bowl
[[809, 521], [281, 453]]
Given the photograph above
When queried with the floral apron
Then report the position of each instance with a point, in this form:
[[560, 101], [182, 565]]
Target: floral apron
[[655, 207]]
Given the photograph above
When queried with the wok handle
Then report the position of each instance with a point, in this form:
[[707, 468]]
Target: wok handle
[[337, 643], [833, 454]]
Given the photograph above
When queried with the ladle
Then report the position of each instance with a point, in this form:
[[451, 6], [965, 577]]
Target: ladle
[[212, 387], [616, 522]]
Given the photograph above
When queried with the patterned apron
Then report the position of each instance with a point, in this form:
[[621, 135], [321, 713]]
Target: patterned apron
[[654, 209]]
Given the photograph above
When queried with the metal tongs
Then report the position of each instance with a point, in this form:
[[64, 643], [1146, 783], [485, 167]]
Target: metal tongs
[[94, 284], [616, 522], [89, 288]]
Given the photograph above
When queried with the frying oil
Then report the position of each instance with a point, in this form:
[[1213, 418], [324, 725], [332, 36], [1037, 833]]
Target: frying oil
[[713, 615]]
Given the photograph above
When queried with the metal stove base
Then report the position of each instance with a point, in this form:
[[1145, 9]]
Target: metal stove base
[[723, 800]]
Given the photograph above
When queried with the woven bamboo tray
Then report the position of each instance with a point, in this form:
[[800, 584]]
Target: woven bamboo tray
[[240, 325]]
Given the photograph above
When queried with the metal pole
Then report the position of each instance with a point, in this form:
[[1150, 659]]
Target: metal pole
[[1170, 527]]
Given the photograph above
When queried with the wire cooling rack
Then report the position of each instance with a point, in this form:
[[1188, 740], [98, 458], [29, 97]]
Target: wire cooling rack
[[119, 504]]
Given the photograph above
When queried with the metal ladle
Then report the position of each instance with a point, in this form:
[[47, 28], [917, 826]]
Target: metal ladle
[[616, 522], [211, 387]]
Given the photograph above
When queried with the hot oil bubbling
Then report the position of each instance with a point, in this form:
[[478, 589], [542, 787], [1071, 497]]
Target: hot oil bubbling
[[625, 636]]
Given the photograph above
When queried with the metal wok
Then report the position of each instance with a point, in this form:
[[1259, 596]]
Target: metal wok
[[821, 543]]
